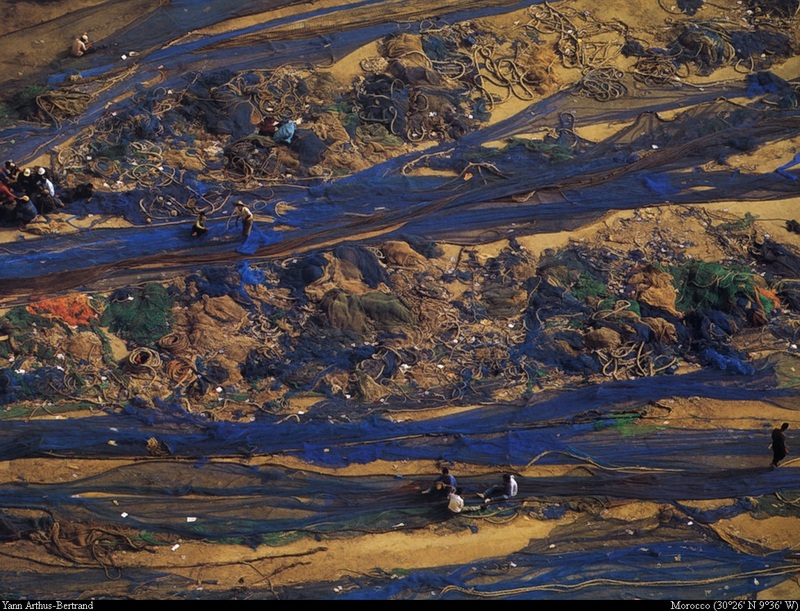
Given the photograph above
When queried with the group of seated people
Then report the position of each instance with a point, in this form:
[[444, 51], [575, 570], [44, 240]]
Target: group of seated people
[[26, 194], [446, 485]]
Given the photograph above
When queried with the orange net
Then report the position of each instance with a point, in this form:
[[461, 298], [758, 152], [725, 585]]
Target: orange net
[[75, 310]]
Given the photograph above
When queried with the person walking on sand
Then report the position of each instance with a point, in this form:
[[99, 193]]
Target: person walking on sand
[[779, 449], [244, 215]]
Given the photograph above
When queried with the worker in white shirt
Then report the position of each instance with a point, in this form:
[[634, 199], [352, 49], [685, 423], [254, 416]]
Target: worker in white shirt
[[501, 492], [244, 215], [455, 502]]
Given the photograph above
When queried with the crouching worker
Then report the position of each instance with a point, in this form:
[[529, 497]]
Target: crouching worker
[[81, 46], [455, 502], [82, 191], [26, 211], [7, 195], [46, 200], [199, 228], [284, 131]]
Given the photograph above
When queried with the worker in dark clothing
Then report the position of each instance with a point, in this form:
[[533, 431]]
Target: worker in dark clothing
[[9, 173], [46, 202], [8, 213], [8, 204], [199, 228], [26, 182], [779, 449], [26, 211], [445, 483], [84, 190]]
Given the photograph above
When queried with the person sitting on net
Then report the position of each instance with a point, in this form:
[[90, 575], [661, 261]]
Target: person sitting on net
[[500, 492], [84, 190], [43, 182], [9, 173], [25, 211], [445, 483], [455, 502], [81, 46], [26, 183], [7, 195], [245, 216]]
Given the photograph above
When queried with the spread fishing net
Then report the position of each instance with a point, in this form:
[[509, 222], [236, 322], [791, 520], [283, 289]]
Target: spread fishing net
[[204, 497]]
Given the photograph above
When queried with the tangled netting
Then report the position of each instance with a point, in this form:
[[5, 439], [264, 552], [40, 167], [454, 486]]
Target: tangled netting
[[235, 502]]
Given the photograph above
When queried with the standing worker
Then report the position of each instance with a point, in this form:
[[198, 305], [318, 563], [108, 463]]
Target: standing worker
[[244, 215], [779, 449], [43, 182]]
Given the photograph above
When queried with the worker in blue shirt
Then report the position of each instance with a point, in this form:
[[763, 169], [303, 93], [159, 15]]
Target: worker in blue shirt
[[445, 483]]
